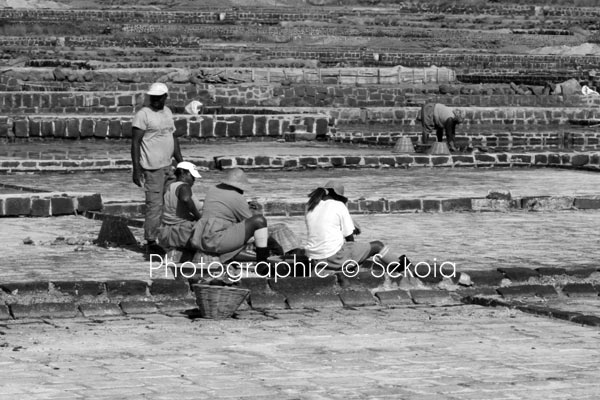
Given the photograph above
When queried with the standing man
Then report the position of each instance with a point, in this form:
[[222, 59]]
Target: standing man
[[438, 117], [153, 147]]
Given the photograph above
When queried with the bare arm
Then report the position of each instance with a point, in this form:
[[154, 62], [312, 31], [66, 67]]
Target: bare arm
[[136, 142], [176, 150], [184, 194], [449, 127]]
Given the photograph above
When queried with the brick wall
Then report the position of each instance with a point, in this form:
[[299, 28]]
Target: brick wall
[[487, 137], [267, 15], [297, 95], [100, 126]]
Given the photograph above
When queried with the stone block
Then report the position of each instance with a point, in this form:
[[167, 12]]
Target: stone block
[[590, 320], [247, 127], [126, 129], [114, 128], [321, 127], [579, 160], [25, 288], [234, 127], [21, 128], [207, 127], [460, 204], [528, 291], [87, 128], [551, 271], [518, 274], [62, 205], [138, 307], [40, 207], [72, 128], [116, 288], [171, 306], [168, 287], [274, 127], [91, 202], [92, 310], [580, 290], [563, 314], [485, 278], [391, 298], [79, 288], [101, 129], [582, 272], [262, 301], [432, 297], [14, 206], [59, 128], [35, 128], [312, 300], [260, 127], [194, 129], [45, 310], [587, 203], [357, 298], [376, 206], [304, 285], [405, 205], [430, 205], [221, 129]]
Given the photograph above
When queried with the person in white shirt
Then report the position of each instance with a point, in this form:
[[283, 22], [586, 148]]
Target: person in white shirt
[[331, 232]]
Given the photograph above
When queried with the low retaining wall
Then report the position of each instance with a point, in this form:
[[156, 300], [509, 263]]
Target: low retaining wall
[[226, 75], [577, 160], [132, 212], [48, 204], [588, 160], [499, 140], [119, 126], [87, 102]]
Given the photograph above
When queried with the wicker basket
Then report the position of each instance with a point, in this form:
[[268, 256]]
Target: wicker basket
[[218, 302]]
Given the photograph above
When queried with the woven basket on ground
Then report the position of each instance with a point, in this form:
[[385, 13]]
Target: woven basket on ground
[[218, 301]]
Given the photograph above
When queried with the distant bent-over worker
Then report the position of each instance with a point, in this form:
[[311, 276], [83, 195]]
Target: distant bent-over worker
[[153, 147], [438, 117]]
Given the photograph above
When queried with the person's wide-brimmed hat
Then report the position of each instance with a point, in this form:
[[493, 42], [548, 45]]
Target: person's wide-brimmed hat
[[188, 166], [157, 89], [337, 188], [238, 179]]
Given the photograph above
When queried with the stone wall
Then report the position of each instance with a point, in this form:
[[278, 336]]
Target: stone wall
[[48, 204], [589, 161], [141, 78], [487, 137], [498, 116], [14, 103], [265, 15], [119, 126]]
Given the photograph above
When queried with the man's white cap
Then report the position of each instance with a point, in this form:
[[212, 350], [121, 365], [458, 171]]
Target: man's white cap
[[188, 166], [157, 89]]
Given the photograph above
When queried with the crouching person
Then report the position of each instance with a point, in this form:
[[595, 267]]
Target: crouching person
[[227, 222], [181, 210]]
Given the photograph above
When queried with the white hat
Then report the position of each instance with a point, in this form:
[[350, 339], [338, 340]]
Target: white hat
[[157, 89], [193, 107], [188, 166]]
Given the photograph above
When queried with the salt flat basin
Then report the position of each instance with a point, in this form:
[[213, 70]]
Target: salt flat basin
[[389, 183]]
